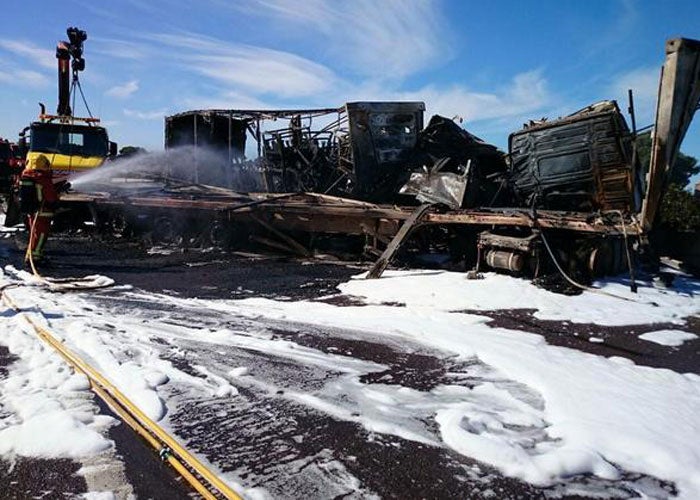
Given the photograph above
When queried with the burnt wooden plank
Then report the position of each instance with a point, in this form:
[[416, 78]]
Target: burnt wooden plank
[[381, 264]]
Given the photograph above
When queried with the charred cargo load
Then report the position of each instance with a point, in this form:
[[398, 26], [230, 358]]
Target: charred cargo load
[[583, 162], [382, 137], [361, 150], [213, 142], [456, 168]]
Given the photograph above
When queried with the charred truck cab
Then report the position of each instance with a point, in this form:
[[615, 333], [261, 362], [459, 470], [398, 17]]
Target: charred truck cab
[[582, 162]]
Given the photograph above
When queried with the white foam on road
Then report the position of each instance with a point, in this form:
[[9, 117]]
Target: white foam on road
[[598, 411], [446, 291], [590, 414], [671, 338], [98, 495], [48, 411]]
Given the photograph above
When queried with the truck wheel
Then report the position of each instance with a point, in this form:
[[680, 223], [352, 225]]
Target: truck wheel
[[119, 226], [218, 235], [166, 232]]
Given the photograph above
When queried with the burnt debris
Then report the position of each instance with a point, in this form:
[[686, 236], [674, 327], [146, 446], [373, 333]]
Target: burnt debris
[[360, 150], [380, 152], [567, 197]]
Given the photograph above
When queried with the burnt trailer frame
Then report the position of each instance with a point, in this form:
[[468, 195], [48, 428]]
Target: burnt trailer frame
[[296, 223], [296, 210]]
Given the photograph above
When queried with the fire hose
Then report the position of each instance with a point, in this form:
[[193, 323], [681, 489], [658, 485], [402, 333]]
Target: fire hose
[[206, 483]]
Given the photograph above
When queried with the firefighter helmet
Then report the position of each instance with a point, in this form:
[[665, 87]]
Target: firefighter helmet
[[42, 163]]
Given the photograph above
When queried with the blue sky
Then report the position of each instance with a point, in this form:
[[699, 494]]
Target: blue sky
[[496, 64]]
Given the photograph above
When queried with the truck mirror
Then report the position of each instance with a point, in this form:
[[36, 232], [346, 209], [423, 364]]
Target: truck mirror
[[113, 148], [22, 146]]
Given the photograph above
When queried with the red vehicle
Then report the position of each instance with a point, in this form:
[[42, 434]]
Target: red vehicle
[[11, 164]]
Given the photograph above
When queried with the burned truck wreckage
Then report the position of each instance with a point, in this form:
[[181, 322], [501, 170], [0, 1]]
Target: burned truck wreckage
[[351, 182], [364, 151], [369, 178]]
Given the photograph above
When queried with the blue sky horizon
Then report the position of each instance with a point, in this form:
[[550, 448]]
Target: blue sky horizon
[[495, 66]]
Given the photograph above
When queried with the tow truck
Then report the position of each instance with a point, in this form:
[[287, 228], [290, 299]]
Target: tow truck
[[72, 144]]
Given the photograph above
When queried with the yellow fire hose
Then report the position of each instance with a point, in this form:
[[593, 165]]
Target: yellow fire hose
[[169, 449], [28, 255]]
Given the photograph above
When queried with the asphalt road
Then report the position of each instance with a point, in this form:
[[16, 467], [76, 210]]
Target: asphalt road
[[267, 439]]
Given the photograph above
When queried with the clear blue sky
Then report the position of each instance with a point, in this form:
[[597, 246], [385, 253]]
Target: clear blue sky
[[496, 64]]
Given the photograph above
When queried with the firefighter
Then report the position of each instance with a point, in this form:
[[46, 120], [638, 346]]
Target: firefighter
[[38, 200]]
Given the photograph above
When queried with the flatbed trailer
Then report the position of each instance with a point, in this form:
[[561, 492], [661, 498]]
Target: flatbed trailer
[[319, 213], [300, 224]]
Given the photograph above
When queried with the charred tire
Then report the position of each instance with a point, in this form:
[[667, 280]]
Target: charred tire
[[119, 226], [166, 232], [607, 258], [219, 235]]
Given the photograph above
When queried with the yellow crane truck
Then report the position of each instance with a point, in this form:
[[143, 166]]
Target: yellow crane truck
[[72, 144]]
